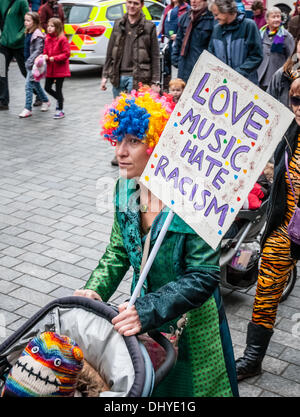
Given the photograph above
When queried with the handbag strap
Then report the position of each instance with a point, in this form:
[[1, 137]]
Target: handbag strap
[[145, 254], [288, 173], [145, 251], [181, 323]]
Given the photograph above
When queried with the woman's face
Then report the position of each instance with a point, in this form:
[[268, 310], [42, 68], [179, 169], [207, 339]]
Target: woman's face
[[257, 12], [295, 101], [132, 156], [222, 18], [28, 22], [274, 20]]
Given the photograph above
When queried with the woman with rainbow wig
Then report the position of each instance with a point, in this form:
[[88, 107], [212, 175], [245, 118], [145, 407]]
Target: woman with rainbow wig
[[184, 277]]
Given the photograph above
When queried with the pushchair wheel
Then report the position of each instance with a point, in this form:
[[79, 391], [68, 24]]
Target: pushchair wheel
[[288, 288]]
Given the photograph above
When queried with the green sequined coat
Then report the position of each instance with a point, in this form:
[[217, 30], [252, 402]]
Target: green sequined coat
[[184, 278]]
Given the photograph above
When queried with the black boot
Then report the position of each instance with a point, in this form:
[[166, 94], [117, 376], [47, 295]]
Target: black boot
[[258, 338]]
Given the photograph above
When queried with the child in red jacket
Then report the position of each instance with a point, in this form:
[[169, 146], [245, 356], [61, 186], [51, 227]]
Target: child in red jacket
[[57, 53]]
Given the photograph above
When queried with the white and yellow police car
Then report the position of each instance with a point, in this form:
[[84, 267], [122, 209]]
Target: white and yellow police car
[[88, 25]]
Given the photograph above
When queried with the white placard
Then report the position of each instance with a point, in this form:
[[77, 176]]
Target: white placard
[[215, 145]]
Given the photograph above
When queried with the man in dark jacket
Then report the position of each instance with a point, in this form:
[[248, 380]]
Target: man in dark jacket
[[51, 9], [35, 5], [132, 53], [236, 39], [11, 42], [194, 31]]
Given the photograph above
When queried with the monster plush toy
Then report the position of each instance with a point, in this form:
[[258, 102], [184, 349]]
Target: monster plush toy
[[48, 367]]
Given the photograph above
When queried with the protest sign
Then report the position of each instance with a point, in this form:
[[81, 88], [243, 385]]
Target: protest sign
[[215, 145]]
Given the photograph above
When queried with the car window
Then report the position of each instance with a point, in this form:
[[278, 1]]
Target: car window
[[76, 14], [114, 12], [155, 10]]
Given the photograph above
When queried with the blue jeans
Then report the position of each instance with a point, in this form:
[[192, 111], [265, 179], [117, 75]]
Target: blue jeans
[[126, 84], [29, 87]]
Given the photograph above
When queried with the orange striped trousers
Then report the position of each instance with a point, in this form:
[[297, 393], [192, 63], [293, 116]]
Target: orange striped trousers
[[275, 268]]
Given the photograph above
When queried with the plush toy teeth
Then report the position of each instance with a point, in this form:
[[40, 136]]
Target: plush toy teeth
[[34, 377]]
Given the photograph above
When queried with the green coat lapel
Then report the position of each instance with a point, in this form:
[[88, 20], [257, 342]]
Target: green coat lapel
[[128, 215]]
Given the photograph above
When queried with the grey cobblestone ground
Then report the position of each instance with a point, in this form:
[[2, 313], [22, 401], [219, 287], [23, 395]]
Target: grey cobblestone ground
[[54, 226]]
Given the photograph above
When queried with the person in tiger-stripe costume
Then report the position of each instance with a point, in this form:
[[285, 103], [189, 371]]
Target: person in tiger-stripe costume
[[279, 253]]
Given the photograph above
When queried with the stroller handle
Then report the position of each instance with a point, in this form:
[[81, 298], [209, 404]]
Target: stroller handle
[[171, 356]]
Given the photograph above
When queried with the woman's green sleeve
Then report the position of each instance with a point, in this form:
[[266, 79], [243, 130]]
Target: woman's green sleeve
[[112, 266], [186, 291]]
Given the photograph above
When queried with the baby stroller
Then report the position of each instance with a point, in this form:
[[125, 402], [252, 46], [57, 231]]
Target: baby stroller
[[165, 66], [122, 361], [240, 255]]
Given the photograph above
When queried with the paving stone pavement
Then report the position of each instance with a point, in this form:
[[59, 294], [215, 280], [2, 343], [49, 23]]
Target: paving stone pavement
[[54, 223]]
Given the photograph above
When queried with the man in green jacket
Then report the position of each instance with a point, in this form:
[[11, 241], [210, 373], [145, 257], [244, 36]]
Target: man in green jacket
[[11, 42]]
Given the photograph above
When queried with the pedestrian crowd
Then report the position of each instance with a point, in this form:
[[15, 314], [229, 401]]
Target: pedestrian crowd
[[183, 280], [27, 36]]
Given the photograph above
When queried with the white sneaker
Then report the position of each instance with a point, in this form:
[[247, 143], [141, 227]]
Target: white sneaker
[[45, 106], [25, 113]]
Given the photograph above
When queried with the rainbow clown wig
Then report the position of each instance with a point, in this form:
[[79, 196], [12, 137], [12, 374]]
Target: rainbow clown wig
[[142, 113]]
